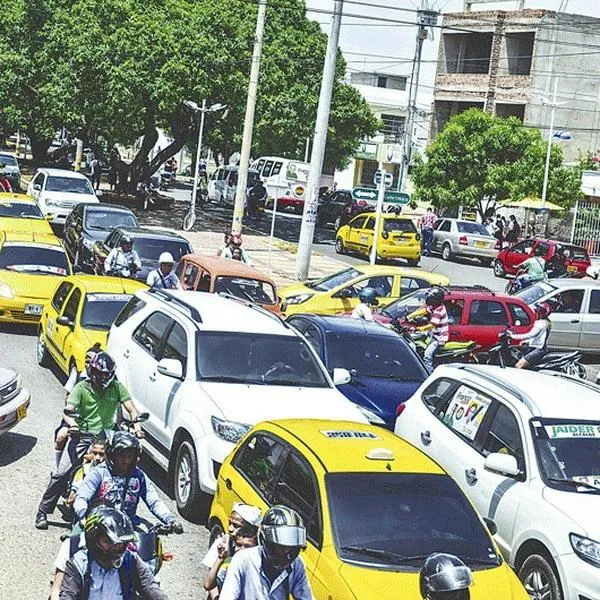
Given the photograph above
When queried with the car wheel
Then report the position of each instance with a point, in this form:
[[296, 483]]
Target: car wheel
[[539, 578], [486, 262], [339, 246], [43, 356], [190, 499], [216, 532], [446, 252], [499, 270], [337, 223]]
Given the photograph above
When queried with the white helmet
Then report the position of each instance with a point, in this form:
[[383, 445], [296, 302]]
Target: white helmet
[[165, 257], [593, 271]]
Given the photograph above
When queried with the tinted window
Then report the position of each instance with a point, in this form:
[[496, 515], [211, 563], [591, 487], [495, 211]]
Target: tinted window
[[504, 436], [595, 302], [314, 337], [150, 333], [569, 301], [100, 310], [104, 219], [579, 253], [9, 160], [434, 394], [454, 308], [277, 168], [151, 249], [34, 259], [176, 346], [542, 247], [518, 313], [370, 224], [61, 293], [68, 185], [399, 225], [72, 305], [443, 226], [335, 280], [132, 307], [358, 223], [266, 172], [20, 210], [472, 228], [487, 312]]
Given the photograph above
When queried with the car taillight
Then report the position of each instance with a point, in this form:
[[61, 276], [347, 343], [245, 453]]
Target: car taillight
[[497, 245], [462, 240], [400, 408]]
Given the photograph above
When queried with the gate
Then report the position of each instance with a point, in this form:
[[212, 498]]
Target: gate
[[585, 230]]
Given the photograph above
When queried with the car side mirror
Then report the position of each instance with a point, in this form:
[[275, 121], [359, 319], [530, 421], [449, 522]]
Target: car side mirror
[[491, 525], [63, 320], [503, 464], [345, 293], [37, 187], [170, 367], [341, 376]]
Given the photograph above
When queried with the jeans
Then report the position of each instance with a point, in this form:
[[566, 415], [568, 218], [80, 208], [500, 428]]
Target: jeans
[[427, 239], [429, 353]]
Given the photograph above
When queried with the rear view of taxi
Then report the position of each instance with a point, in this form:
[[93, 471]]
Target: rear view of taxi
[[19, 212], [30, 265], [374, 506]]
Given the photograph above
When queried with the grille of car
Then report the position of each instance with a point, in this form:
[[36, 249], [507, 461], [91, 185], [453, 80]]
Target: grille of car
[[66, 203], [9, 391], [19, 314]]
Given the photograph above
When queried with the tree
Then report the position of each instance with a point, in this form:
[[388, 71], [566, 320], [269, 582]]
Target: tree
[[478, 160]]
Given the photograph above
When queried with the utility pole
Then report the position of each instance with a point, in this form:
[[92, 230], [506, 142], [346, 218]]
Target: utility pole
[[427, 18], [553, 104], [311, 203], [240, 193]]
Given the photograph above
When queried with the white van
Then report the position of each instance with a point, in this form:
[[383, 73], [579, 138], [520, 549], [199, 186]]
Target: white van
[[284, 178], [222, 184]]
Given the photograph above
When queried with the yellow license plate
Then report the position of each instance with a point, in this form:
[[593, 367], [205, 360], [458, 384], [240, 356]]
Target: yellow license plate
[[481, 244], [572, 269], [21, 412]]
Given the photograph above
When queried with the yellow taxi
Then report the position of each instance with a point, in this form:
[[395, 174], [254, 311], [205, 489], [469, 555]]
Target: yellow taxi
[[19, 212], [338, 293], [398, 237], [374, 508], [79, 315], [30, 265]]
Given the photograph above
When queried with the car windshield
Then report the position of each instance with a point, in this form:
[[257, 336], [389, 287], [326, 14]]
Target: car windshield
[[261, 359], [404, 306], [533, 293], [400, 518], [69, 185], [254, 290], [151, 249], [473, 228], [374, 356], [45, 260], [105, 219], [20, 210], [401, 225], [100, 310], [332, 281], [568, 451], [8, 160]]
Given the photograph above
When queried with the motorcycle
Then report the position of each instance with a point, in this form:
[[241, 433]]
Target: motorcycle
[[521, 281], [504, 354], [149, 545]]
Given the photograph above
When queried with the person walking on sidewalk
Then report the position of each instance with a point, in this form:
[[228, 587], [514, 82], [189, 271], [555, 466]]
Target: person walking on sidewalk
[[428, 221]]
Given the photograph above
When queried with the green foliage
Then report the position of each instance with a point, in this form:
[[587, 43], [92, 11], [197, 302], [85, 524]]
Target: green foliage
[[480, 159]]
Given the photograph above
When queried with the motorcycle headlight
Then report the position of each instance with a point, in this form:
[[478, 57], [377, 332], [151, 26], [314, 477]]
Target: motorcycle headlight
[[299, 299], [230, 431], [586, 549], [370, 415], [6, 291]]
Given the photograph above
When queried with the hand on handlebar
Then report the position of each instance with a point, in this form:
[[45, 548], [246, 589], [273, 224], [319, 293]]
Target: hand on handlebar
[[139, 433]]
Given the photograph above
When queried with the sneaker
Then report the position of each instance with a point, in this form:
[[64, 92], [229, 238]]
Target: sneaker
[[41, 522]]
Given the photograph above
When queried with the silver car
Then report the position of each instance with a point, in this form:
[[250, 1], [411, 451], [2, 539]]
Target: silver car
[[576, 312], [14, 399], [454, 237]]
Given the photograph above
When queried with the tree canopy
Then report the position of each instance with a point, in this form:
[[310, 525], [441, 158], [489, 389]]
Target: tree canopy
[[479, 159]]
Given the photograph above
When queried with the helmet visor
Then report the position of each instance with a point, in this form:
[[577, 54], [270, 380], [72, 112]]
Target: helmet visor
[[286, 535], [450, 580]]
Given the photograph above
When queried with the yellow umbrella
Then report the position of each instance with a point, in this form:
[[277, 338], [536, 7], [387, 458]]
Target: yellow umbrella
[[531, 203]]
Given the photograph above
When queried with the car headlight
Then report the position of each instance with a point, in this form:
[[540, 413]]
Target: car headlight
[[52, 203], [299, 299], [230, 431], [6, 291], [586, 549], [370, 415]]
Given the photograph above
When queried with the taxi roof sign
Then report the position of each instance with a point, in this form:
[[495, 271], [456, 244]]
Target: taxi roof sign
[[380, 454]]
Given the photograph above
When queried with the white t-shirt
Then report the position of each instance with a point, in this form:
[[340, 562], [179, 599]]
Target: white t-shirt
[[213, 552], [363, 311]]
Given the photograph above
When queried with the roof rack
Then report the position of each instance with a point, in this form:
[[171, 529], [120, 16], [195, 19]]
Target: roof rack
[[254, 306], [574, 379], [178, 302]]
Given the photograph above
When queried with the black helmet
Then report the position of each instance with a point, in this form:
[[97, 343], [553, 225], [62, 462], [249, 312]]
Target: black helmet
[[122, 441], [117, 527], [101, 370], [434, 296], [368, 295], [282, 535], [125, 240], [445, 577]]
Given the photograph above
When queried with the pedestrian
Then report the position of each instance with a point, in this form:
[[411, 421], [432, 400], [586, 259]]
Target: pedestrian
[[164, 276], [499, 230], [428, 221], [257, 194], [513, 231], [95, 172]]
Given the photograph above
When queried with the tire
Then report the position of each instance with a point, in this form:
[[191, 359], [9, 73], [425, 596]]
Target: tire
[[539, 577], [339, 246], [511, 287], [216, 531], [222, 201], [189, 220], [191, 500], [43, 356], [337, 223], [446, 252], [499, 270]]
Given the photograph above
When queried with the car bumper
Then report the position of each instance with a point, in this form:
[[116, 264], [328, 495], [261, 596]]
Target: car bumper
[[580, 580], [17, 310], [287, 202], [14, 410], [410, 251], [215, 450], [475, 252]]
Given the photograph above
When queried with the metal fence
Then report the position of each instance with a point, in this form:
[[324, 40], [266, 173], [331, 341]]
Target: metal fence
[[585, 229]]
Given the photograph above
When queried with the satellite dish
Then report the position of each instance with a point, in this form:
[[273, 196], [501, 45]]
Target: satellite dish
[[234, 159]]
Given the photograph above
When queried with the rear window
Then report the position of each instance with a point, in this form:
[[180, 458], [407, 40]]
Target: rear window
[[247, 289], [473, 228], [579, 253], [41, 260], [20, 210], [151, 249], [401, 225]]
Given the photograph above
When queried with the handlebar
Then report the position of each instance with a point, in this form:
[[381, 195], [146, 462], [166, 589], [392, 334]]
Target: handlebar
[[167, 528]]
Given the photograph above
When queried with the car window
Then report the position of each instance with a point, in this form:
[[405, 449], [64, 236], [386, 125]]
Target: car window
[[133, 306], [569, 301], [259, 461], [370, 224], [68, 185], [444, 226], [504, 436], [221, 174], [518, 313], [151, 332], [382, 284], [437, 394], [487, 312], [358, 223], [70, 310], [204, 282], [409, 284], [314, 338], [472, 228], [277, 168], [454, 308], [523, 247], [20, 210], [111, 239], [60, 295], [176, 346], [543, 248], [595, 302], [189, 275], [399, 225], [465, 412], [297, 489], [298, 324]]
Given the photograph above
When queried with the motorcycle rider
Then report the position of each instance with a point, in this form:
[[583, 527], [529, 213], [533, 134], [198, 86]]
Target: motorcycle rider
[[557, 265], [536, 269], [122, 260], [164, 276], [234, 242], [105, 567], [445, 577], [273, 570], [4, 182], [368, 298], [96, 400], [255, 196], [537, 337]]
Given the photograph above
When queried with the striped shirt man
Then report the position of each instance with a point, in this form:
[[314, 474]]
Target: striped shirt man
[[428, 220], [438, 317]]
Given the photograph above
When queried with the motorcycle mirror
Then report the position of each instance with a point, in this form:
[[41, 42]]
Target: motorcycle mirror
[[142, 417]]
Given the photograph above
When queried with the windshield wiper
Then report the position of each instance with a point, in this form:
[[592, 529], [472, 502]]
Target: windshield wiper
[[391, 557], [480, 561], [574, 483], [227, 379]]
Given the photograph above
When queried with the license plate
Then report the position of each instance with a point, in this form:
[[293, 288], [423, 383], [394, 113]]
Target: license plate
[[33, 309], [401, 240], [481, 244], [572, 269], [21, 412]]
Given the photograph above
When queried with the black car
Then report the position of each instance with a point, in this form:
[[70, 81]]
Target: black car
[[148, 243], [91, 223], [339, 207]]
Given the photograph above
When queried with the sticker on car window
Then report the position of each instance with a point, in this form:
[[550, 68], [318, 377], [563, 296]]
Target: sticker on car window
[[345, 434], [466, 411], [573, 430], [108, 297]]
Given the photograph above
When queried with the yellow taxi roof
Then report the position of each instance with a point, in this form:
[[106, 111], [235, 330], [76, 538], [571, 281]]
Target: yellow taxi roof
[[406, 272], [385, 215], [29, 237], [93, 284], [343, 446], [15, 197]]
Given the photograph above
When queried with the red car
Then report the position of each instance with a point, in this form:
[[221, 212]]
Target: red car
[[475, 313], [290, 202], [507, 260]]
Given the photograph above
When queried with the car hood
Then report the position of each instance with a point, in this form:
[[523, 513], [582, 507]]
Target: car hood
[[70, 197], [96, 235], [253, 403], [6, 375], [31, 286], [580, 507], [295, 289], [380, 395], [26, 225]]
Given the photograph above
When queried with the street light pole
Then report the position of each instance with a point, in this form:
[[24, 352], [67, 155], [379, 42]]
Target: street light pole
[[197, 169], [548, 149]]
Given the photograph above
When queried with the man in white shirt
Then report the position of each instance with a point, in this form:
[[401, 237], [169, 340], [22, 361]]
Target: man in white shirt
[[122, 260], [164, 277]]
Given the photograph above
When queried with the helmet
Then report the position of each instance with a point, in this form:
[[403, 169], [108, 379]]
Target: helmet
[[235, 239], [125, 240], [114, 525], [368, 296], [434, 296], [593, 271], [543, 309], [445, 576], [165, 257], [122, 441], [89, 355], [101, 370], [282, 535]]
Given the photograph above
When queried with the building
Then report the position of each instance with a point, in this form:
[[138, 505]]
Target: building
[[504, 61]]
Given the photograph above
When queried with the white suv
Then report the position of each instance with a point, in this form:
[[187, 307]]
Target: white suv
[[207, 368], [58, 191], [525, 447]]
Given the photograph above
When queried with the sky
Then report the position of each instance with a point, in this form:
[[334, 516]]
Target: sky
[[394, 43]]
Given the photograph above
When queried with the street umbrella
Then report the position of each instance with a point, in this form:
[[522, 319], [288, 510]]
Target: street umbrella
[[531, 203]]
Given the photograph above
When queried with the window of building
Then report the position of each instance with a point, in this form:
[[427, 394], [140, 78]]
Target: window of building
[[381, 81], [510, 110], [392, 82], [519, 50], [468, 52], [393, 127]]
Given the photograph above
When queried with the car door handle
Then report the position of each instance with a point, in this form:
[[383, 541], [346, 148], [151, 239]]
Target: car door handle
[[152, 377], [426, 437], [126, 353], [574, 321], [228, 484], [471, 476]]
